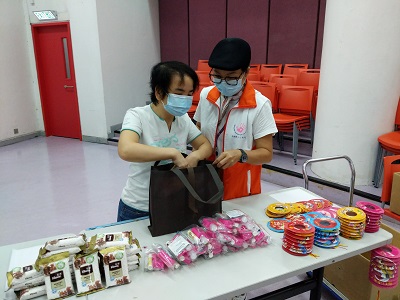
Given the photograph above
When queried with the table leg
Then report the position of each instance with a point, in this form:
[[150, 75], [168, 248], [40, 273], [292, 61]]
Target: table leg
[[318, 276]]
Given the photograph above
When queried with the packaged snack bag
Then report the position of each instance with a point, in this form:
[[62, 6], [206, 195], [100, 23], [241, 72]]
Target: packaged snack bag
[[22, 276], [132, 267], [106, 240], [29, 283], [134, 248], [57, 274], [68, 242], [43, 253], [31, 293], [87, 273], [115, 266], [133, 255]]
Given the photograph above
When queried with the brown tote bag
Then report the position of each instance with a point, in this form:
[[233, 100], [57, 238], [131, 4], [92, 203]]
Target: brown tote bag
[[179, 197]]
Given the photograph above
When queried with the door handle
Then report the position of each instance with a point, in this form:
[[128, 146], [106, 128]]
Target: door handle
[[68, 86]]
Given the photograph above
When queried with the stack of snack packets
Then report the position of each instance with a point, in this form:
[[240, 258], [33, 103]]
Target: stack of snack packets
[[55, 260], [115, 266], [119, 254], [133, 255], [72, 265], [57, 275], [132, 246], [30, 293], [72, 245], [87, 272], [26, 281]]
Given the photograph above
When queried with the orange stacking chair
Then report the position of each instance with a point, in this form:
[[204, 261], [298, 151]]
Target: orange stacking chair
[[268, 89], [388, 142], [294, 68], [253, 76], [282, 79], [204, 77], [254, 68], [192, 110], [196, 94], [268, 69], [391, 165], [202, 65], [196, 99], [310, 77], [195, 102], [294, 106]]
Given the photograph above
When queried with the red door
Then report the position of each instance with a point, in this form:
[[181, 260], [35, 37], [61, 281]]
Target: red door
[[56, 76]]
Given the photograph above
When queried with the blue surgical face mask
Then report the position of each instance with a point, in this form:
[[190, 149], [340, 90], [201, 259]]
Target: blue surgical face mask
[[178, 105], [229, 90]]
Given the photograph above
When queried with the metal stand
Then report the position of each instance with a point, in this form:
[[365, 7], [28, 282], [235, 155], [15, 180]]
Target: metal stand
[[325, 283], [353, 172]]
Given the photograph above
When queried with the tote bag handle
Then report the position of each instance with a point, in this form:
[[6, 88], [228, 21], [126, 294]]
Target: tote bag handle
[[217, 180], [169, 166]]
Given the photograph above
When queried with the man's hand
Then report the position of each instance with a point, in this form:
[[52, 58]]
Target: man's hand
[[227, 158]]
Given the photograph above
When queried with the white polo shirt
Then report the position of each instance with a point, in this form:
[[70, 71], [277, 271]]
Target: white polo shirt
[[153, 131]]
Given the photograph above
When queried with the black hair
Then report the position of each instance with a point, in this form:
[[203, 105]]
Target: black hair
[[162, 74]]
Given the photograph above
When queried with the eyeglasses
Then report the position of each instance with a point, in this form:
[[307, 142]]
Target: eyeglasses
[[229, 80]]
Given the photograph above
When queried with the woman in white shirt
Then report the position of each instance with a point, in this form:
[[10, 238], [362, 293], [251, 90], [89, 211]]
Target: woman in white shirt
[[159, 131]]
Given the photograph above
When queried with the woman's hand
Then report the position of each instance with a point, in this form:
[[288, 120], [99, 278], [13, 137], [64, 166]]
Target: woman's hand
[[180, 161], [201, 150], [192, 159]]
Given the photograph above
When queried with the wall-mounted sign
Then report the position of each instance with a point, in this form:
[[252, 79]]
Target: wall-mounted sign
[[46, 15]]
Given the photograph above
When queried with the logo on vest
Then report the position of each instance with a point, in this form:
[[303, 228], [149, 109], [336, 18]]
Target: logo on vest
[[239, 129]]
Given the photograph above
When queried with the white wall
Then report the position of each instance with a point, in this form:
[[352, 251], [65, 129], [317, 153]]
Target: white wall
[[359, 85], [18, 107], [129, 45], [88, 68], [129, 33]]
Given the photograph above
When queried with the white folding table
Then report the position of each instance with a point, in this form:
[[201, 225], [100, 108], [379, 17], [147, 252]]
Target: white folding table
[[234, 273]]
